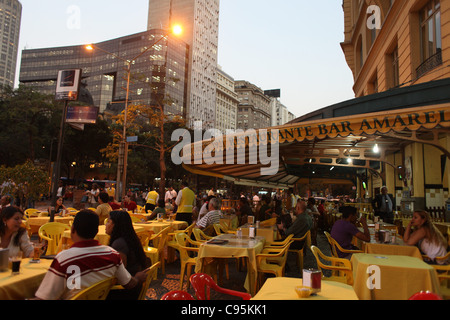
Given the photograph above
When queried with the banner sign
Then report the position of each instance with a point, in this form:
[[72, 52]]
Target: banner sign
[[68, 85], [82, 114], [369, 124]]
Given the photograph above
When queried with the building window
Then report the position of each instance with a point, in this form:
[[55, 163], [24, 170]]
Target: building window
[[430, 37], [395, 68]]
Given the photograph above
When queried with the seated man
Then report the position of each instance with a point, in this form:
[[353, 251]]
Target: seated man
[[302, 224], [85, 263], [345, 229], [213, 216]]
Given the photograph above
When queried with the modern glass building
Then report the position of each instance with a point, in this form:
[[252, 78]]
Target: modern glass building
[[161, 72], [10, 16]]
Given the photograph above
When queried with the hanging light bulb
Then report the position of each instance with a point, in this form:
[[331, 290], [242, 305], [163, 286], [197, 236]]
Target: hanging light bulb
[[376, 149]]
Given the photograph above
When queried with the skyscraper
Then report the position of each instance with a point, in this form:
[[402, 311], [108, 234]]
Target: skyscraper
[[200, 22], [10, 15]]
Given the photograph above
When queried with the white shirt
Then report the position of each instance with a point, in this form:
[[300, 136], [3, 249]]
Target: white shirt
[[170, 195]]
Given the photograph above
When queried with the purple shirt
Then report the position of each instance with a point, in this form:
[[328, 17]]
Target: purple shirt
[[343, 232]]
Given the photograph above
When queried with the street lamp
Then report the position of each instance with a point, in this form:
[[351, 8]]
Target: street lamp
[[123, 147]]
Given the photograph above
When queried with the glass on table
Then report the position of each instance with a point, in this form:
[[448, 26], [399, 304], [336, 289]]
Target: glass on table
[[37, 251], [15, 263]]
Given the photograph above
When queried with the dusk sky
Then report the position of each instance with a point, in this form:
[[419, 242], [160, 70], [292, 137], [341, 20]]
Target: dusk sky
[[292, 45]]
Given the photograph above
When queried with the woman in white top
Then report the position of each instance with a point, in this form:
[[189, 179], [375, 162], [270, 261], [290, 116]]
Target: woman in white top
[[426, 236], [13, 235]]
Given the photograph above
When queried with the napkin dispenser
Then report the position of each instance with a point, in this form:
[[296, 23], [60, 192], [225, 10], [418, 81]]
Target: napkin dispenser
[[4, 259]]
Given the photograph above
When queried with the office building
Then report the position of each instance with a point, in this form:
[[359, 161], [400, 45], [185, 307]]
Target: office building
[[227, 102], [254, 109], [200, 22], [160, 72], [10, 16]]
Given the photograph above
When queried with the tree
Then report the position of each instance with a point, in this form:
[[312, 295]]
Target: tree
[[27, 119], [154, 128], [24, 182]]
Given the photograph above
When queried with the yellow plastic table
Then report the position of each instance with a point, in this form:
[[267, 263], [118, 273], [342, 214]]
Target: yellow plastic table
[[235, 248], [24, 285], [283, 288], [391, 249], [391, 277]]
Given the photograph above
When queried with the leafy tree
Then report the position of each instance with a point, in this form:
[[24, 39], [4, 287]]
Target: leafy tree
[[25, 181], [27, 119]]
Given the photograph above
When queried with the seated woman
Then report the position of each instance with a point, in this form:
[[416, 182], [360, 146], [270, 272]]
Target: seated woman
[[160, 209], [12, 235], [126, 242], [60, 206], [426, 236]]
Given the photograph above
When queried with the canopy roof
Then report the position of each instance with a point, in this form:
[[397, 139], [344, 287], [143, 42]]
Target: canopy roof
[[320, 148]]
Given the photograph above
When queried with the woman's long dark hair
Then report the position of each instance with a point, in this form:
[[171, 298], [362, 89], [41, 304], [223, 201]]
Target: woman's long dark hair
[[123, 228], [6, 214]]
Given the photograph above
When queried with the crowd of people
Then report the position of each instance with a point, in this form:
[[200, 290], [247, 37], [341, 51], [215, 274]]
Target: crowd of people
[[125, 259]]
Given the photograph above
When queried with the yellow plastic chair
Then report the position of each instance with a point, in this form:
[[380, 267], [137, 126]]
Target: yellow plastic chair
[[183, 239], [200, 236], [31, 212], [278, 244], [268, 222], [339, 265], [220, 228], [334, 245], [52, 232], [171, 237], [307, 242], [157, 253], [152, 274], [272, 261], [98, 291]]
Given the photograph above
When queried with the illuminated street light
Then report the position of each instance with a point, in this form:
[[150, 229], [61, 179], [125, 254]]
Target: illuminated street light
[[123, 147]]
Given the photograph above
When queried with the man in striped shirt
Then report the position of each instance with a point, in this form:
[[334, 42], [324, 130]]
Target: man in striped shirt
[[213, 216], [85, 263]]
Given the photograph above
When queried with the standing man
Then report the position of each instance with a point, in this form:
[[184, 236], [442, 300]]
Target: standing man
[[383, 205], [151, 200], [185, 202], [170, 194]]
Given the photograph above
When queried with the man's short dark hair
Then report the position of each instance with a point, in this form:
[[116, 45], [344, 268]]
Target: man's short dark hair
[[347, 211], [104, 197], [86, 224]]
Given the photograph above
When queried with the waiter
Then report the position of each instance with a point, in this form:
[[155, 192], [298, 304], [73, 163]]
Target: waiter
[[383, 205], [185, 202]]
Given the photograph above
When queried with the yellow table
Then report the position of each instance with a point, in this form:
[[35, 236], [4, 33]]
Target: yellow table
[[154, 226], [235, 248], [397, 277], [391, 249], [25, 284], [282, 288], [36, 222]]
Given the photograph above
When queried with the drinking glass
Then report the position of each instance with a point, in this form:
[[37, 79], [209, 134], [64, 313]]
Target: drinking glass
[[15, 263]]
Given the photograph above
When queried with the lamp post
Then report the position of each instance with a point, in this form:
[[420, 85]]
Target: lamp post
[[123, 147]]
